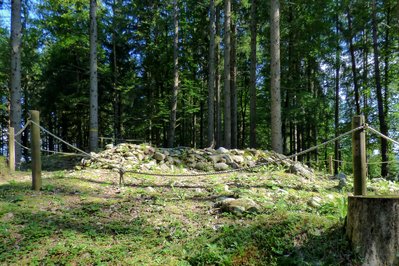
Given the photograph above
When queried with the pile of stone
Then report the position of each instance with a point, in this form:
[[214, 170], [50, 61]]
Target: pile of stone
[[145, 158]]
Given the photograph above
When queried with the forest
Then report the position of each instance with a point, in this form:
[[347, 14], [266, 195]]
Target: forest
[[280, 75]]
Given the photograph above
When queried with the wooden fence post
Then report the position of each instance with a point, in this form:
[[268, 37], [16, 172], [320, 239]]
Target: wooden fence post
[[331, 165], [36, 159], [11, 149], [359, 156]]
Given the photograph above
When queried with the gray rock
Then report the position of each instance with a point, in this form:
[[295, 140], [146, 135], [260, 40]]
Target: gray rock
[[314, 202], [222, 150], [109, 146], [202, 166], [216, 158], [221, 166], [342, 183], [163, 167], [140, 156], [299, 169], [148, 150], [340, 176], [159, 156], [150, 189], [238, 206], [238, 159]]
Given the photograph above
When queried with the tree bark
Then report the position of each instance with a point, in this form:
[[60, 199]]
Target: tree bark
[[380, 101], [373, 229], [277, 140], [217, 81], [227, 78], [211, 81], [233, 87], [117, 93], [353, 63], [252, 90], [93, 77], [173, 109], [15, 102], [337, 98]]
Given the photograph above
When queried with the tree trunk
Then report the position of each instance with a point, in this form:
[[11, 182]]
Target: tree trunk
[[15, 102], [227, 78], [373, 229], [337, 98], [217, 85], [233, 87], [380, 102], [173, 109], [117, 94], [353, 61], [277, 139], [93, 78], [387, 53], [211, 81], [252, 89]]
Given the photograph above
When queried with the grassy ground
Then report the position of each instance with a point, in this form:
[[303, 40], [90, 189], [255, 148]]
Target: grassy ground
[[83, 218]]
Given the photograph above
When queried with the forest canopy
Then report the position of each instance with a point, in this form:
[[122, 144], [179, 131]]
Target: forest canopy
[[336, 59]]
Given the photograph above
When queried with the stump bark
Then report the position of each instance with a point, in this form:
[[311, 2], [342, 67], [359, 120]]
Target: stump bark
[[373, 228]]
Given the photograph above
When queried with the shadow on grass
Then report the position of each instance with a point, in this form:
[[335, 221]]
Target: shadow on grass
[[24, 229], [291, 240], [56, 162]]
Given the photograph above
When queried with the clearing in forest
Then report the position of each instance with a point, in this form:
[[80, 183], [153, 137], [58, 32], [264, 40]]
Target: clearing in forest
[[268, 217]]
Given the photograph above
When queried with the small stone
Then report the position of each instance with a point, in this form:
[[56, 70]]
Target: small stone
[[222, 150], [148, 165], [314, 202], [109, 146], [221, 167], [238, 206], [159, 156], [216, 158], [238, 159], [330, 197], [340, 176], [164, 168], [202, 166], [150, 189], [140, 156], [149, 150], [198, 190]]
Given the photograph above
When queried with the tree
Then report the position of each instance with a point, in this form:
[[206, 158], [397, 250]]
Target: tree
[[252, 90], [173, 110], [233, 86], [93, 77], [380, 101], [337, 97], [353, 61], [15, 102], [277, 140], [227, 77], [211, 73]]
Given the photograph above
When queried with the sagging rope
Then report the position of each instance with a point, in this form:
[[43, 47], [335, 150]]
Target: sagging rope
[[22, 129], [63, 141], [382, 135], [122, 170]]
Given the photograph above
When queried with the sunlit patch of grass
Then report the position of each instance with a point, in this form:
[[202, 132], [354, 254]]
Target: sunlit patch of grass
[[83, 218]]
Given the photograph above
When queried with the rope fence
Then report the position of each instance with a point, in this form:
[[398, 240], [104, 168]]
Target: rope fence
[[122, 170]]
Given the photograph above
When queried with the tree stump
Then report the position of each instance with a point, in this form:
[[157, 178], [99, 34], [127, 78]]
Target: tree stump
[[373, 228]]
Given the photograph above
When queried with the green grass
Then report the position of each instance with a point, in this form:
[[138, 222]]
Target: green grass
[[82, 218]]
